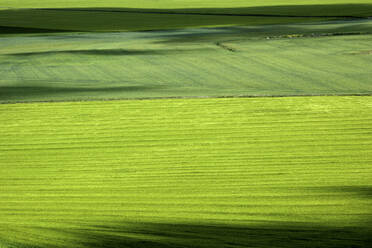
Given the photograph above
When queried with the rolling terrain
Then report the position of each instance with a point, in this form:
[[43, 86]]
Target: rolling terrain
[[223, 124], [83, 15], [187, 173], [329, 58]]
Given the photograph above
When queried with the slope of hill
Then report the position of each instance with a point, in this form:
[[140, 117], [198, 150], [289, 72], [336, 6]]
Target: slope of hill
[[257, 61], [295, 172]]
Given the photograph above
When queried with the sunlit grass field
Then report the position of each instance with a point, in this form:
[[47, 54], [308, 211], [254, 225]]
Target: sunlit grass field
[[210, 124], [187, 173]]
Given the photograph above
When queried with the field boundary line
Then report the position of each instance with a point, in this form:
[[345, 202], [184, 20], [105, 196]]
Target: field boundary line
[[165, 12], [181, 97]]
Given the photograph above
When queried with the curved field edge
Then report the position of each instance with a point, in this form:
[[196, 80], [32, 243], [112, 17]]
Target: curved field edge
[[187, 173]]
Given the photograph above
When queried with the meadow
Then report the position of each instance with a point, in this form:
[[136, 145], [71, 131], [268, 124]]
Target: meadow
[[83, 15], [275, 60], [292, 171], [221, 124]]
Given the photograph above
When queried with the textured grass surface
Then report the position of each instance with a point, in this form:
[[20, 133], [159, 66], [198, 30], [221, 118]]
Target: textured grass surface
[[187, 173], [200, 62], [151, 15], [118, 19], [200, 173], [93, 20]]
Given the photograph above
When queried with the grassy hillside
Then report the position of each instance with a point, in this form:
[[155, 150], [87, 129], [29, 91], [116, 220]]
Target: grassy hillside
[[146, 15], [187, 173], [200, 62], [100, 20]]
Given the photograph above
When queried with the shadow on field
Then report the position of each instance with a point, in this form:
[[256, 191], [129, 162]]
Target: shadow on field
[[24, 92], [279, 234], [114, 52], [309, 10], [161, 235], [126, 19], [356, 191], [20, 30], [157, 235], [236, 33]]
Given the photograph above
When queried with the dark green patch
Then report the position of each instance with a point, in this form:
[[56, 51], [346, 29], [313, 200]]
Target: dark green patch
[[124, 19]]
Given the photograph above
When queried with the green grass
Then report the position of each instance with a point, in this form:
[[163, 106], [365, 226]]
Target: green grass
[[185, 173], [148, 19], [197, 62], [295, 172], [100, 20], [150, 15]]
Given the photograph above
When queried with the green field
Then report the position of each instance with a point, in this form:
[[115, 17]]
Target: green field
[[258, 61], [187, 173], [206, 124], [117, 15]]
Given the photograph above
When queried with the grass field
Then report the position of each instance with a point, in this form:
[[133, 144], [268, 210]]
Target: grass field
[[187, 173], [106, 20], [198, 62], [230, 165], [117, 15]]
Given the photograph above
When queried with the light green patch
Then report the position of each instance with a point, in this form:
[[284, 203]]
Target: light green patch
[[84, 167]]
